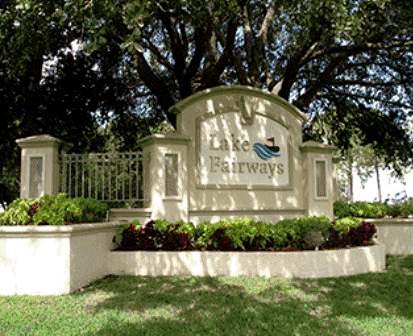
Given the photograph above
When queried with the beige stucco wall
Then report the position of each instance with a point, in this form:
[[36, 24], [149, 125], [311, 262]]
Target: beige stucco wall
[[46, 147], [395, 233], [238, 200], [317, 206], [262, 203], [306, 264], [53, 260], [155, 147]]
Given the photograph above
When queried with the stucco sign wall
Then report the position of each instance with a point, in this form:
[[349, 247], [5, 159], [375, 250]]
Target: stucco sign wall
[[232, 152]]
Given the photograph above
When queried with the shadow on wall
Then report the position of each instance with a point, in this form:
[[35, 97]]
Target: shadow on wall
[[307, 264]]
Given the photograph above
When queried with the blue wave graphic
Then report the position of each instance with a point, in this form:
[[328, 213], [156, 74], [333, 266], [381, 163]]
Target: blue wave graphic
[[263, 152]]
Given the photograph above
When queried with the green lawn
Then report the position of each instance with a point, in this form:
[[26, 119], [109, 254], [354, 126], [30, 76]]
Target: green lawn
[[371, 304]]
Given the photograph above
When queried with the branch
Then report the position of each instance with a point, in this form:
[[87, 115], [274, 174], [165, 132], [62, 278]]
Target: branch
[[294, 64], [202, 35], [262, 41], [176, 43], [242, 74], [325, 78], [370, 83], [263, 33], [211, 75], [161, 59], [359, 48], [155, 85], [250, 48], [360, 96]]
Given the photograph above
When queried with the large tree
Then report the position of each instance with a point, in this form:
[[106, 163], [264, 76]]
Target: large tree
[[351, 57], [47, 87]]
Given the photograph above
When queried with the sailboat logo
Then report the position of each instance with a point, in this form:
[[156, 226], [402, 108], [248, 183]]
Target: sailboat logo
[[266, 152]]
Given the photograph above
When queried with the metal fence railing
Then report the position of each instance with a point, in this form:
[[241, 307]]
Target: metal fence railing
[[109, 177]]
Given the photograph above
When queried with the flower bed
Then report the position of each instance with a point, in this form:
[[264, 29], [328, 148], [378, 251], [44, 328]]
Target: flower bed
[[244, 234], [305, 264], [242, 247]]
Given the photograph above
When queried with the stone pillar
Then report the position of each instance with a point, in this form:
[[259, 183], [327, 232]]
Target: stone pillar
[[39, 174], [318, 178], [165, 175]]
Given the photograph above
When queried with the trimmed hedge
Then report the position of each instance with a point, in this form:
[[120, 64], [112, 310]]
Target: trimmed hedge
[[54, 210], [373, 210], [244, 234]]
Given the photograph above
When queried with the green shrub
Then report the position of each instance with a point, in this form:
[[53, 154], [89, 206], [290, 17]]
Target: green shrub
[[341, 209], [364, 210], [406, 209], [178, 227], [296, 229], [292, 231], [343, 225], [246, 234], [239, 234], [17, 213], [54, 210], [212, 236], [91, 210], [279, 237], [314, 223]]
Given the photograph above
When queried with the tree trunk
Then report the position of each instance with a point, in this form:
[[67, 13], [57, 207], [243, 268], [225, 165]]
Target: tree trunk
[[376, 167], [350, 180]]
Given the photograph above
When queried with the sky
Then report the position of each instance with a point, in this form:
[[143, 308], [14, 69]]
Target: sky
[[389, 186]]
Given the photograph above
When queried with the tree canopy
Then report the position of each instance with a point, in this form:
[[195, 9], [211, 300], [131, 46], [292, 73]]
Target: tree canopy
[[348, 62], [353, 57]]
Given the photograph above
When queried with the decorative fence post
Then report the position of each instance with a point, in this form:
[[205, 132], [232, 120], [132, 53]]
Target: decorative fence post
[[166, 176], [318, 181], [39, 174]]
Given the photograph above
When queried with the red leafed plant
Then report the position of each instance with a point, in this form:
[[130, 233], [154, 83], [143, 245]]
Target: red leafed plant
[[151, 238], [34, 207], [363, 233], [219, 241]]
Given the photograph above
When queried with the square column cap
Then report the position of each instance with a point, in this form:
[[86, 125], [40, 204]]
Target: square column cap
[[316, 147], [37, 141]]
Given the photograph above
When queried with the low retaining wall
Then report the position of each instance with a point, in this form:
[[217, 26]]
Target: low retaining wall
[[395, 233], [141, 214], [306, 264], [56, 260], [53, 260]]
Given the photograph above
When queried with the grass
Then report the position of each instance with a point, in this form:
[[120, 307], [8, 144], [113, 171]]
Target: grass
[[369, 304]]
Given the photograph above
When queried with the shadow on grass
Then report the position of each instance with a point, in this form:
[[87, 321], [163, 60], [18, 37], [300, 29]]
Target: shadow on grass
[[376, 295], [243, 306], [203, 306]]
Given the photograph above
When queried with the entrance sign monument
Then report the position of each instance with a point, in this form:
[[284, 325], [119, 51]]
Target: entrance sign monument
[[237, 151]]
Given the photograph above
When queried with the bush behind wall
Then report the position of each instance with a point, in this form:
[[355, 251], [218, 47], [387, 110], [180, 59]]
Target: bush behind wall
[[373, 210], [54, 210]]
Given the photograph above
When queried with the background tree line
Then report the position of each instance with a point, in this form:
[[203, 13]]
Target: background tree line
[[346, 64]]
